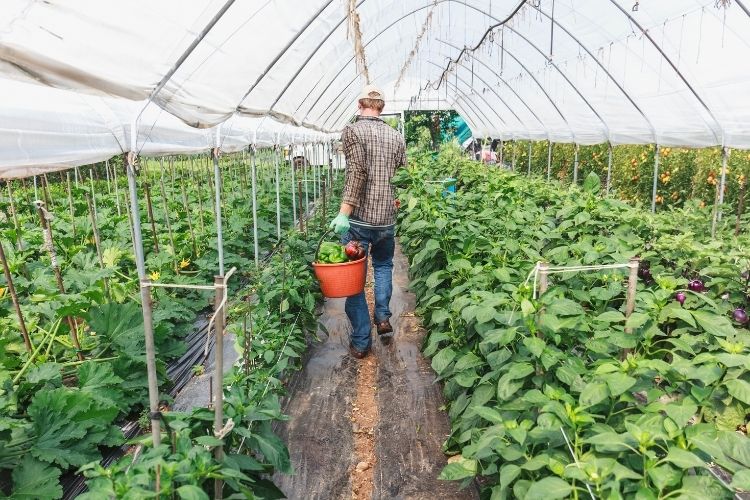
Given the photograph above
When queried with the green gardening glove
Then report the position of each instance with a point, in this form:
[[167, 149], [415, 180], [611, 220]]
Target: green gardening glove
[[340, 224]]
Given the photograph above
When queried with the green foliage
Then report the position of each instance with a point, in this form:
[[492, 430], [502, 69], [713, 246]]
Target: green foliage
[[552, 394]]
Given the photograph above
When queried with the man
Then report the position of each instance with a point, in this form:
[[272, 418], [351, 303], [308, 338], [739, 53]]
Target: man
[[373, 152]]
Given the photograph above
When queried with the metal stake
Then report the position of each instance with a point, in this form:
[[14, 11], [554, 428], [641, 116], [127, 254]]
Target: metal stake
[[14, 297], [723, 181], [528, 170], [609, 167], [575, 164], [549, 160], [219, 236], [278, 191], [656, 179], [633, 265], [253, 179], [294, 186]]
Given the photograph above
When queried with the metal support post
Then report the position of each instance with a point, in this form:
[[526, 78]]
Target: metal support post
[[502, 164], [656, 179], [723, 181], [609, 167], [253, 180], [575, 164], [217, 184], [14, 297], [146, 306], [218, 378], [294, 185], [513, 156], [528, 169], [278, 191], [543, 277], [549, 160]]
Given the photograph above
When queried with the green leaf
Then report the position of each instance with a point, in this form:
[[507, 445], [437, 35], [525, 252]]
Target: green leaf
[[739, 389], [592, 183], [460, 469], [683, 314], [489, 414], [443, 359], [485, 314], [681, 412], [618, 382], [594, 393], [636, 320], [209, 441], [713, 324], [683, 458], [191, 492], [548, 488], [273, 449], [508, 474], [33, 479], [535, 345], [741, 480], [610, 317]]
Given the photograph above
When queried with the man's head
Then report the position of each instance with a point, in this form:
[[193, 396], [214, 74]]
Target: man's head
[[371, 100]]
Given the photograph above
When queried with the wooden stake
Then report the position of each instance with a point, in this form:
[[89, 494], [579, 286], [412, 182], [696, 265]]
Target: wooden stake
[[150, 208], [97, 241], [44, 217], [218, 379], [740, 207], [14, 213], [14, 297], [165, 207]]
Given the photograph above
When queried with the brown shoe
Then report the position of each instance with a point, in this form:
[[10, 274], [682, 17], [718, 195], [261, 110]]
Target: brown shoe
[[356, 353], [384, 327]]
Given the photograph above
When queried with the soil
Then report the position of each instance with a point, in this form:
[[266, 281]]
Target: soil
[[371, 428]]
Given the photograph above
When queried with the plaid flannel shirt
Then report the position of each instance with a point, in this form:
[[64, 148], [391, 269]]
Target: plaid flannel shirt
[[373, 151]]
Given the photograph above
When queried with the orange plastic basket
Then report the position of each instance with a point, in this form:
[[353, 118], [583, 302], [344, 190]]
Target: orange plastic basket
[[340, 280]]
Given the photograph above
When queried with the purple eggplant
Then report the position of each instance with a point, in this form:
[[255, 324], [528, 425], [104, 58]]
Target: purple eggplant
[[740, 316], [680, 297], [696, 286]]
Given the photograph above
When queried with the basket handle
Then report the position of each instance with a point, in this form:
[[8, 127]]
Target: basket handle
[[322, 239]]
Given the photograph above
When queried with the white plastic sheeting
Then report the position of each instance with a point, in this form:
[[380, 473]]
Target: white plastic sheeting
[[674, 72]]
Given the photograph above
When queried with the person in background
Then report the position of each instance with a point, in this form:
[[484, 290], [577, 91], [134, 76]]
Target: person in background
[[373, 151]]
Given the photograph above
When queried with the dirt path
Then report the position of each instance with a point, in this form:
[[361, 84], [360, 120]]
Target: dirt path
[[369, 429]]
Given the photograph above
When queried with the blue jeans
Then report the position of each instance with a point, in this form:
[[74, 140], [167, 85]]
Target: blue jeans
[[379, 244]]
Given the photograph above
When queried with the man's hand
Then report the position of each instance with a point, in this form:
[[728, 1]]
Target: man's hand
[[340, 224]]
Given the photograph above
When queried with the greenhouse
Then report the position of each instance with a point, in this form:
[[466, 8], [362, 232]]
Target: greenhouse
[[375, 249]]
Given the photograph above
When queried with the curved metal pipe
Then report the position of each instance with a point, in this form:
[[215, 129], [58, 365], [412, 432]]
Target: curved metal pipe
[[676, 70], [500, 78], [601, 66]]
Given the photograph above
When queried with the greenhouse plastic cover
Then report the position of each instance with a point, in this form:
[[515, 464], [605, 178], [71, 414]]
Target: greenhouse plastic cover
[[76, 75]]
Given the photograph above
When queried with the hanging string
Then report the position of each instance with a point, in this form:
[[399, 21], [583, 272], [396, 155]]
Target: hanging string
[[682, 32], [353, 28]]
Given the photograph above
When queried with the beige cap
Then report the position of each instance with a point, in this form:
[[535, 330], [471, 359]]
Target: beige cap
[[371, 92]]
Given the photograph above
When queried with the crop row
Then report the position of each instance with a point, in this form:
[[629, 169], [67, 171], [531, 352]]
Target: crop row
[[561, 394], [60, 403]]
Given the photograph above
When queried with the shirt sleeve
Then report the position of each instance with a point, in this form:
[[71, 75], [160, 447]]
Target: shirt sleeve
[[402, 156], [356, 168]]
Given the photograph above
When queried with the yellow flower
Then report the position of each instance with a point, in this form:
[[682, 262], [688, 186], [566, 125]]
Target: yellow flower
[[2, 291], [184, 263], [154, 275]]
